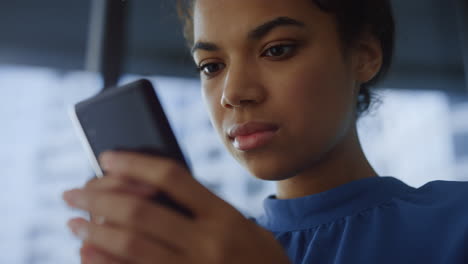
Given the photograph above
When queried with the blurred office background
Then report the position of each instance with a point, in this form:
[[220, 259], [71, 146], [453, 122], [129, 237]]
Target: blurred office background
[[54, 53]]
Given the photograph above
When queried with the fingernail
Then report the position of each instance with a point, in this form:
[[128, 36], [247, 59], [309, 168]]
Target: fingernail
[[79, 229], [105, 159], [75, 198], [100, 220]]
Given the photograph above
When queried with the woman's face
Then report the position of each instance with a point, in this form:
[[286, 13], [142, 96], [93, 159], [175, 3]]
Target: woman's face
[[278, 62]]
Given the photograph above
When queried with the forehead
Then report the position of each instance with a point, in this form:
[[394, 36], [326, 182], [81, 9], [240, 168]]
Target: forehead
[[222, 18]]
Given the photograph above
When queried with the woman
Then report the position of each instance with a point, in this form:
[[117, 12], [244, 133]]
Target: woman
[[285, 83]]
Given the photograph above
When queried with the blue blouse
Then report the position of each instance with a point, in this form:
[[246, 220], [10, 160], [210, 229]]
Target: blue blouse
[[373, 220]]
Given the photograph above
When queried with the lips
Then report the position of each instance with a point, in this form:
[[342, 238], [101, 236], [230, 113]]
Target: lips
[[252, 135], [250, 128]]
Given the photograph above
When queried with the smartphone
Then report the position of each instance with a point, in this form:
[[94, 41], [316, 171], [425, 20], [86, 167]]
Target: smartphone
[[129, 118]]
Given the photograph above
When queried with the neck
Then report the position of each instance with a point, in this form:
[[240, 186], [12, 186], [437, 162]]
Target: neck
[[346, 162]]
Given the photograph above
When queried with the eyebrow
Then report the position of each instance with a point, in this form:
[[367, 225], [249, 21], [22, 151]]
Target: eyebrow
[[262, 30], [257, 33]]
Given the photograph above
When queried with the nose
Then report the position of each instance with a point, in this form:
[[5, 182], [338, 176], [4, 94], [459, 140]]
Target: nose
[[242, 87]]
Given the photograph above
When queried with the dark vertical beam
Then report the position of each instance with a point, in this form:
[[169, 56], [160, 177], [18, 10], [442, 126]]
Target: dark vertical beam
[[107, 39], [462, 13]]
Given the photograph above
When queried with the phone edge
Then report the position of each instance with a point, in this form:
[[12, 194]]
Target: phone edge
[[79, 131]]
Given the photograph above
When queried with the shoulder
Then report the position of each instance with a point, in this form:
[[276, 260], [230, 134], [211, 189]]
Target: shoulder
[[443, 190], [443, 204], [440, 197]]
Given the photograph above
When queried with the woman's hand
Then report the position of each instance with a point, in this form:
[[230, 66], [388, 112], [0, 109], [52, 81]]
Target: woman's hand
[[117, 185], [137, 230]]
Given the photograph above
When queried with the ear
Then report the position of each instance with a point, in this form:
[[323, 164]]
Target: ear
[[368, 59]]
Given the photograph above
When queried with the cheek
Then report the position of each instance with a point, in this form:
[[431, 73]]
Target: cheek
[[212, 99], [218, 116], [319, 99]]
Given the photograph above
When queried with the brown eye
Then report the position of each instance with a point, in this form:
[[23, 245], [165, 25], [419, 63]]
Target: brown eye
[[279, 51], [211, 68]]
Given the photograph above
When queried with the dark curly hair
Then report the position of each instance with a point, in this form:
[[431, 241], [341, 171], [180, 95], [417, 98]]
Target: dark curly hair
[[354, 18]]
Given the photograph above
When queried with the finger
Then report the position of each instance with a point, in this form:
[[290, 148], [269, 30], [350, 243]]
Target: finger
[[123, 244], [91, 181], [120, 184], [163, 173], [88, 184], [92, 255], [141, 215]]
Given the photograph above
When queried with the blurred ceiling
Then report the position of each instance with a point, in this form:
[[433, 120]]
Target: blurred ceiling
[[54, 33]]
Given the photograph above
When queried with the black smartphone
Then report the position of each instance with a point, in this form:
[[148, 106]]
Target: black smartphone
[[129, 118]]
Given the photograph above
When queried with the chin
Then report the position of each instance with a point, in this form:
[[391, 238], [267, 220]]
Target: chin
[[277, 163], [270, 169], [271, 166], [260, 164]]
